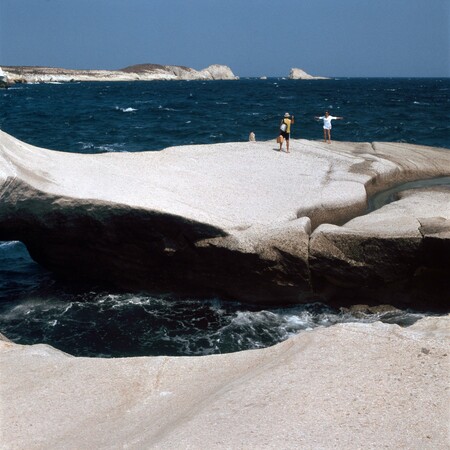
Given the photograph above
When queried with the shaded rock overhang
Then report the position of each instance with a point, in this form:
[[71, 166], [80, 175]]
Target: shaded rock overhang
[[237, 220]]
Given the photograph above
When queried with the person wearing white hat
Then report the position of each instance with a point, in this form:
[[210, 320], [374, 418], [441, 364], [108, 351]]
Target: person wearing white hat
[[285, 131]]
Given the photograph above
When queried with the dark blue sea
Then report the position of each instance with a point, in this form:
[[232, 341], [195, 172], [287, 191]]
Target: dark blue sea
[[149, 116]]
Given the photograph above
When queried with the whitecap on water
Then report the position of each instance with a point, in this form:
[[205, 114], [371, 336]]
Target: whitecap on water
[[8, 244], [116, 147], [86, 145], [126, 110]]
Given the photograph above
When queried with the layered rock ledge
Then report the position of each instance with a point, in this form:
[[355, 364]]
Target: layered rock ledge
[[139, 72], [349, 386], [237, 220]]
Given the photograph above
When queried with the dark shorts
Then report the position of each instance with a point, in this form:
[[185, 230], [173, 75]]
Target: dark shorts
[[285, 135]]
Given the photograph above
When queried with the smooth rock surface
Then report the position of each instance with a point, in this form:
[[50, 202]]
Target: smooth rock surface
[[389, 243], [232, 220], [350, 386]]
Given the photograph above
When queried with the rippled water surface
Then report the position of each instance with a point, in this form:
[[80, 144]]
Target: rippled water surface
[[117, 117], [133, 116]]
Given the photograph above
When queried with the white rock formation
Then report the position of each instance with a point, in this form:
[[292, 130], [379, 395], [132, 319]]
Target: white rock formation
[[143, 72], [391, 243], [299, 74], [218, 72], [4, 81], [232, 220], [349, 386]]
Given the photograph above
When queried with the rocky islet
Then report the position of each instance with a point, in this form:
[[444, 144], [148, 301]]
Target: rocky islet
[[300, 74]]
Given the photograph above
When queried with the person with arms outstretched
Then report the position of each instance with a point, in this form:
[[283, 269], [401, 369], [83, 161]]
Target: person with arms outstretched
[[327, 125]]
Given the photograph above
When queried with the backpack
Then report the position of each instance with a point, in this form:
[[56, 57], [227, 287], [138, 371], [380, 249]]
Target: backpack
[[283, 126]]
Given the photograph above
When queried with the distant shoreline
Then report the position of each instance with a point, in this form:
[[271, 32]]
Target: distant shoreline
[[10, 75], [141, 72]]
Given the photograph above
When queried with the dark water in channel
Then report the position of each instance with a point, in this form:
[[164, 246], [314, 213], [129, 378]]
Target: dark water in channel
[[84, 321], [99, 117]]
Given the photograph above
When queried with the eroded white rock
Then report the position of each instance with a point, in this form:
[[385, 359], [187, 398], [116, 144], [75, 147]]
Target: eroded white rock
[[300, 74], [363, 383], [143, 72], [228, 219], [389, 244]]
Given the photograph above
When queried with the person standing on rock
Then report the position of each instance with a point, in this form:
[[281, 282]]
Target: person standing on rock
[[327, 125], [285, 131]]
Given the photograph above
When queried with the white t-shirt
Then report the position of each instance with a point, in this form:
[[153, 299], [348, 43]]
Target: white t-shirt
[[327, 121]]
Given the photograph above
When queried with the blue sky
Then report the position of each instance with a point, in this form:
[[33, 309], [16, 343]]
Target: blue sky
[[353, 38]]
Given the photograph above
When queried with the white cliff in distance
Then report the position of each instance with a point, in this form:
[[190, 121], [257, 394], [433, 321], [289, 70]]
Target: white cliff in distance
[[139, 72]]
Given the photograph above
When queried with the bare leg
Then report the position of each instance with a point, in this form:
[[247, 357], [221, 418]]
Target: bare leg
[[287, 145], [324, 135], [329, 136]]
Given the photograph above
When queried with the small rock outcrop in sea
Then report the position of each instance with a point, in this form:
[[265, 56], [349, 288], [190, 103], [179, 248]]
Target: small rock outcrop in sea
[[237, 220], [299, 74], [139, 72], [218, 72]]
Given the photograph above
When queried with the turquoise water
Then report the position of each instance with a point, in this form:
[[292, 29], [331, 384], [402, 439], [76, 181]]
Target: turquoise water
[[116, 117]]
